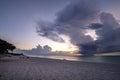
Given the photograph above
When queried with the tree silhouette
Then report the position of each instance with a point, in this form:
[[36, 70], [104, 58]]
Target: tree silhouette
[[5, 46]]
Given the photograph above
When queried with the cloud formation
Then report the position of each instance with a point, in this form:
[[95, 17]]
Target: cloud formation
[[70, 21], [108, 31], [109, 39], [47, 30], [39, 50], [75, 19]]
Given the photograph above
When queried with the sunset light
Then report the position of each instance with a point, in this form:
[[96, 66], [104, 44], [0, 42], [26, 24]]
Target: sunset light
[[91, 33], [59, 39]]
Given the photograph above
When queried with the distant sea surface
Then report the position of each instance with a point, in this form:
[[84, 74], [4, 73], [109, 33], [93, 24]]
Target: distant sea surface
[[102, 59]]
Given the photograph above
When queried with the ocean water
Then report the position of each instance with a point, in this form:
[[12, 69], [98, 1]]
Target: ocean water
[[101, 59]]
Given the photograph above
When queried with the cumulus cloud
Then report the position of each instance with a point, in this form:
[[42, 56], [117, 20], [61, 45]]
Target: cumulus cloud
[[108, 35], [109, 39], [41, 51], [46, 29], [78, 13], [75, 19], [71, 21]]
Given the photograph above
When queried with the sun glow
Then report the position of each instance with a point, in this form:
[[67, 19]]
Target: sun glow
[[92, 34], [66, 47], [56, 46]]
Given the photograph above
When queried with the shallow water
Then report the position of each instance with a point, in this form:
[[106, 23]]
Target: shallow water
[[103, 59]]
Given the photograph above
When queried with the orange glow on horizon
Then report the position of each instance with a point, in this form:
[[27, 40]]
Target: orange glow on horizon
[[56, 46]]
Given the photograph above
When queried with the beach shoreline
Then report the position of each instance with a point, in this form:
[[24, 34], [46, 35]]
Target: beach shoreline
[[33, 68]]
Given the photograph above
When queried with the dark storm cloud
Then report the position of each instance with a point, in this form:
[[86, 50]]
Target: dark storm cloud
[[80, 11], [88, 49], [47, 30], [109, 36], [75, 19], [95, 26], [71, 21]]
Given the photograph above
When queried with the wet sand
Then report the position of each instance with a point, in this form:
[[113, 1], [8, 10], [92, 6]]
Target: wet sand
[[15, 68]]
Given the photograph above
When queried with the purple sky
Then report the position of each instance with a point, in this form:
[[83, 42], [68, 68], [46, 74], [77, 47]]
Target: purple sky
[[18, 20]]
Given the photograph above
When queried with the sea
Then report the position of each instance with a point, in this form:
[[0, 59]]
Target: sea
[[100, 59]]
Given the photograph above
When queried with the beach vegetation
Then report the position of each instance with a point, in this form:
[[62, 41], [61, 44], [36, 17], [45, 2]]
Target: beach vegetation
[[5, 46]]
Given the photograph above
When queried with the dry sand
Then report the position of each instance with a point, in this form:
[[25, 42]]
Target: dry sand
[[15, 68]]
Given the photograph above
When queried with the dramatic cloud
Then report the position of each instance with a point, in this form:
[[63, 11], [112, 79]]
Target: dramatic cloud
[[71, 21], [47, 30], [75, 19], [95, 25], [40, 51], [78, 12], [88, 49], [108, 36]]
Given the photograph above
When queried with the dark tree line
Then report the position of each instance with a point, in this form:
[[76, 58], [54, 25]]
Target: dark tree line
[[5, 46]]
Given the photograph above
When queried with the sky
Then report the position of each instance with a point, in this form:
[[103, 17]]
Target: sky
[[18, 20], [64, 25]]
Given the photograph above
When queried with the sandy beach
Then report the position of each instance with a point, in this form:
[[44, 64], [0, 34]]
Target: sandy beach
[[16, 68]]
